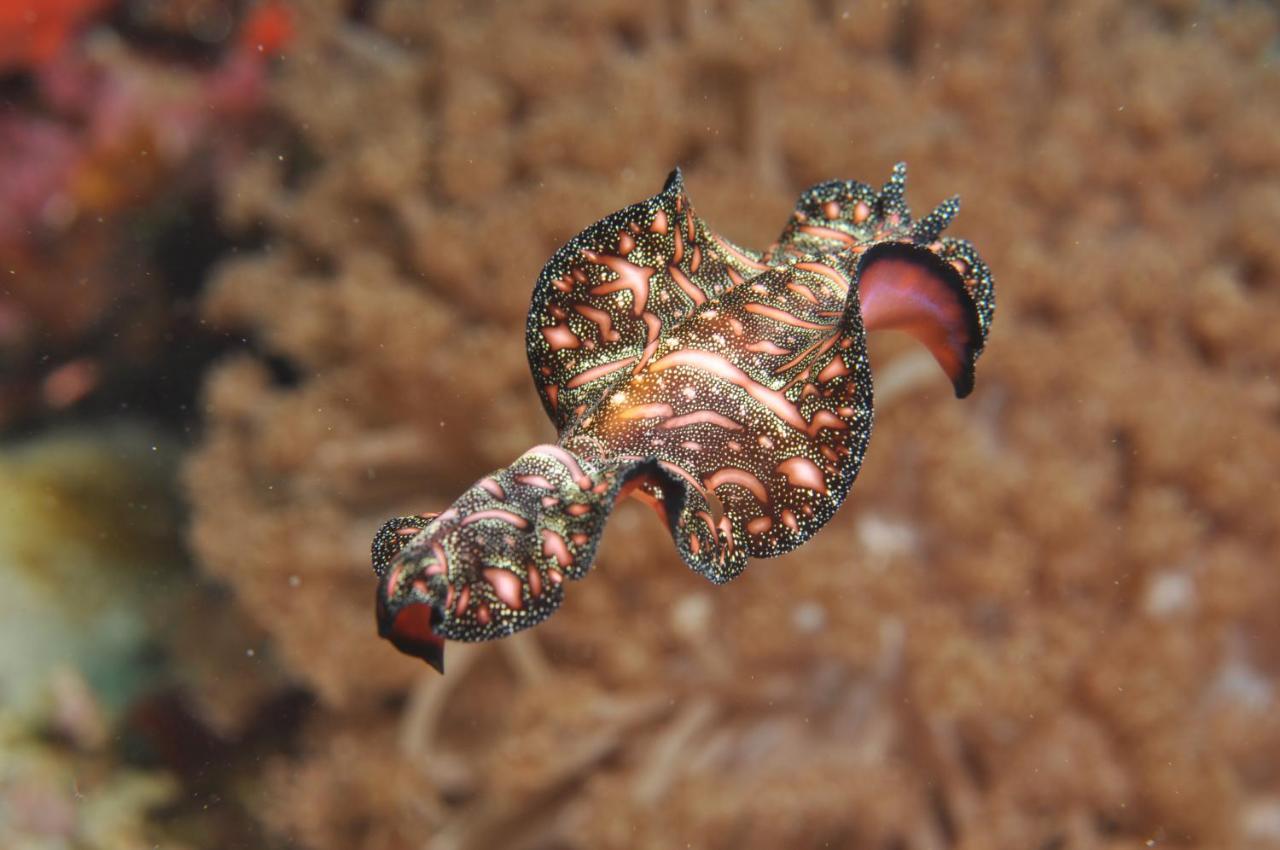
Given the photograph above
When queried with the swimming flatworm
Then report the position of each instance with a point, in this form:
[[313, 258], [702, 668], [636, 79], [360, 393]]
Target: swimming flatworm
[[730, 390]]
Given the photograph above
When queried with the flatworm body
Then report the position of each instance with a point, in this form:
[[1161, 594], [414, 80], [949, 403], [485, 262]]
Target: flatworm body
[[728, 389]]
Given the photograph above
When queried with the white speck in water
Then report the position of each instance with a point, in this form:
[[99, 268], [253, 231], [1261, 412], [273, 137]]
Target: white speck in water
[[691, 616], [1170, 593], [808, 617], [1262, 820], [884, 536]]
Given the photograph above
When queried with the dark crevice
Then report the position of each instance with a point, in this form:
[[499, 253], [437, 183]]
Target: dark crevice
[[1126, 475], [1170, 17], [361, 11], [17, 89], [314, 263], [165, 730], [678, 18], [1254, 274], [726, 86], [795, 171], [163, 32], [284, 374], [837, 838], [1040, 313], [298, 157], [149, 349], [691, 153], [1107, 825], [904, 42], [630, 35], [971, 758], [942, 816], [521, 107], [1203, 349]]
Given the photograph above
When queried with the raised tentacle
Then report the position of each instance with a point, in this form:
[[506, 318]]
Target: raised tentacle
[[928, 229], [893, 195]]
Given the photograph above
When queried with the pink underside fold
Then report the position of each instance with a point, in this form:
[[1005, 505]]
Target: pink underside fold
[[906, 294]]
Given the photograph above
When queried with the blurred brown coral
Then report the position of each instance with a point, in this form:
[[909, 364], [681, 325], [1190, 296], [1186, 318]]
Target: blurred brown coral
[[1046, 616]]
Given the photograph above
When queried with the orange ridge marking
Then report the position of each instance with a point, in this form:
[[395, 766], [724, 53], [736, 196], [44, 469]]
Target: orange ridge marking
[[834, 369], [686, 285], [553, 546], [602, 320], [506, 586], [588, 375], [734, 475], [802, 472], [701, 417], [803, 291], [631, 277], [827, 272], [817, 349], [654, 325], [737, 252], [561, 336], [717, 365], [566, 460], [656, 410], [826, 233], [764, 346], [496, 513], [535, 481], [783, 317]]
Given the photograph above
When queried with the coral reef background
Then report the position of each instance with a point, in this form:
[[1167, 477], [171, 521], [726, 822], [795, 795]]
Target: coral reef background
[[1045, 618]]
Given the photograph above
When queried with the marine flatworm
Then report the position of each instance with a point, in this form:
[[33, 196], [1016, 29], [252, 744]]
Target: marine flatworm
[[730, 390]]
